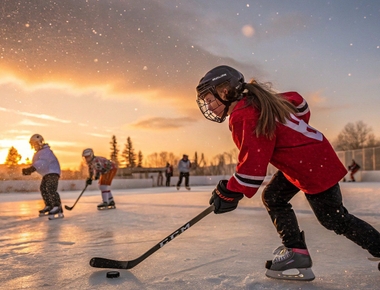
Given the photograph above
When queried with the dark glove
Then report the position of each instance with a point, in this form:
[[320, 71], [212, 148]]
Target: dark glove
[[223, 199], [89, 181], [28, 171]]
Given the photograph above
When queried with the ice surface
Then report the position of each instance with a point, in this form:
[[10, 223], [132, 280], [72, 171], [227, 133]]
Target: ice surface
[[225, 251]]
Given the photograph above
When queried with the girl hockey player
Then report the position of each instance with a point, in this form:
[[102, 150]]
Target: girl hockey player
[[269, 127], [46, 163], [103, 169]]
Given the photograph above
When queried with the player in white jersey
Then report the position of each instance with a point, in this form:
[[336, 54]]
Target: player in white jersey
[[103, 169], [47, 165]]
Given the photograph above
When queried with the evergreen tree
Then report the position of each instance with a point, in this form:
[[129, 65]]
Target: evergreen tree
[[129, 154], [139, 159], [13, 157], [195, 162], [11, 161], [114, 150]]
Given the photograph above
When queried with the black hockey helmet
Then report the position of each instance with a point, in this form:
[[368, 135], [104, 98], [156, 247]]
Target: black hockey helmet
[[208, 84]]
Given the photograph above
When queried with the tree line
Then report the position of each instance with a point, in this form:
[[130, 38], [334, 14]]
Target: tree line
[[353, 136]]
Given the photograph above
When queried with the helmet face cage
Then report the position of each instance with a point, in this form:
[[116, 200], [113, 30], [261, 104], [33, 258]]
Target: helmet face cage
[[204, 106], [36, 141], [208, 84]]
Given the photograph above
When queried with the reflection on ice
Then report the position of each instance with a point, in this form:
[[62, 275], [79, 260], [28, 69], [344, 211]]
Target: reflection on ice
[[219, 252]]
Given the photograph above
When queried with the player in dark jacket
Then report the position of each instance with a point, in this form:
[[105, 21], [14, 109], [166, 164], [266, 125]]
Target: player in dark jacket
[[270, 127]]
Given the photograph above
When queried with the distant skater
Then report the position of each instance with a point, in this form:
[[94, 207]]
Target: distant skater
[[104, 170], [168, 173], [160, 179], [47, 165], [184, 166], [353, 168], [271, 127]]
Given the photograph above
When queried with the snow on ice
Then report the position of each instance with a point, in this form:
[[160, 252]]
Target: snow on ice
[[225, 251]]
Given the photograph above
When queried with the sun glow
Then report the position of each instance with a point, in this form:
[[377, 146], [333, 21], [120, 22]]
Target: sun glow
[[22, 146]]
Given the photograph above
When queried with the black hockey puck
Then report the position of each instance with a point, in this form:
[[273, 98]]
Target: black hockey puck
[[113, 274]]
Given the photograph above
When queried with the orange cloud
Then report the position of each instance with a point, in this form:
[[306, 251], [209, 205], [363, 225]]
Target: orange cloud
[[158, 123]]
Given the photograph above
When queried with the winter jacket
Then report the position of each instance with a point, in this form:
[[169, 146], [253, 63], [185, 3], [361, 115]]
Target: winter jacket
[[184, 165], [45, 161]]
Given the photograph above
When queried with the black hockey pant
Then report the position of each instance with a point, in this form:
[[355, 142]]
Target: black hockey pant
[[48, 188], [327, 207], [182, 175]]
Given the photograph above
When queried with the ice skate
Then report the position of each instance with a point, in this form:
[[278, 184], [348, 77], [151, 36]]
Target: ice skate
[[290, 264], [44, 211], [56, 213], [107, 205], [188, 187], [178, 187]]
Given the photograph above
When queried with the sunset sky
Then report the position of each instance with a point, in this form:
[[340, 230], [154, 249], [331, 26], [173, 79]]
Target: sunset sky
[[79, 71]]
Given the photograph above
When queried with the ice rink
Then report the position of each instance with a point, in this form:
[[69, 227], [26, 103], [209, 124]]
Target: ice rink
[[225, 251]]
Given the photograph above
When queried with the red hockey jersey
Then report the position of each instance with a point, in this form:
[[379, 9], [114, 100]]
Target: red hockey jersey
[[301, 152]]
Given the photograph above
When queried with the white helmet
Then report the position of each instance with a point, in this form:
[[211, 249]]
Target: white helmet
[[88, 152], [36, 141]]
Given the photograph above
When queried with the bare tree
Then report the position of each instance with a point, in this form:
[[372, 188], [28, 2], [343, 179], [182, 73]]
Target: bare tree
[[83, 169], [160, 159], [355, 136]]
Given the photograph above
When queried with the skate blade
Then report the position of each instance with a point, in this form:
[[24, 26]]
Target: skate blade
[[44, 214], [106, 207], [56, 216], [373, 259], [301, 274]]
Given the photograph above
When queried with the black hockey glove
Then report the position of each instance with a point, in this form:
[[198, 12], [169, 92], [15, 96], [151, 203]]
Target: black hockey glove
[[89, 181], [28, 171], [223, 199]]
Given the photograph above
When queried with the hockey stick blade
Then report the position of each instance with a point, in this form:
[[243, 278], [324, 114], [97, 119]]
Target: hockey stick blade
[[97, 262], [70, 208]]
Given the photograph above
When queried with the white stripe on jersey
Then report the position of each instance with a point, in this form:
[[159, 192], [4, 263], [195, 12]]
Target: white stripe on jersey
[[252, 177], [258, 179], [301, 106]]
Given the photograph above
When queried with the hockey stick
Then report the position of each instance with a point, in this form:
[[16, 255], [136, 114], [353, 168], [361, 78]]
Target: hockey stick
[[70, 208], [108, 263]]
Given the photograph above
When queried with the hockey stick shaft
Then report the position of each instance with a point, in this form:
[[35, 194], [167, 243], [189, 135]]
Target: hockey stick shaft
[[70, 208], [114, 264]]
